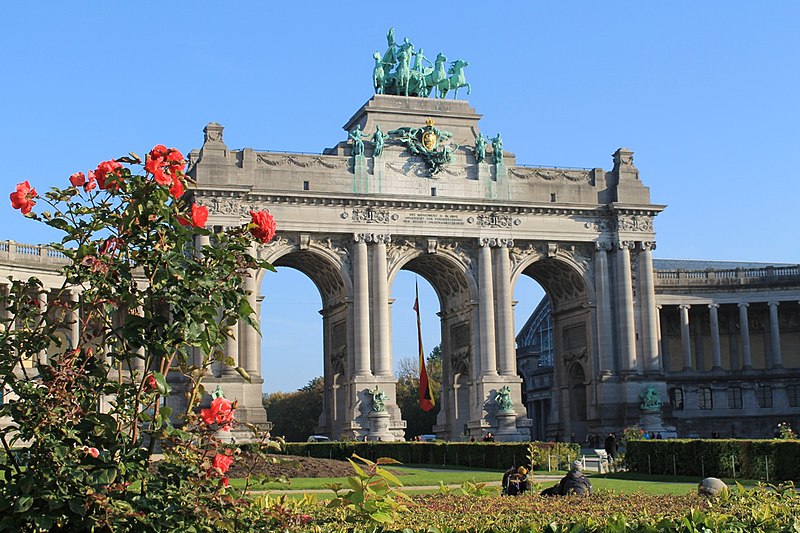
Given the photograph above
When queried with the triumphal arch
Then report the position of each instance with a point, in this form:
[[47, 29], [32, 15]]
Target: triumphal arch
[[417, 186]]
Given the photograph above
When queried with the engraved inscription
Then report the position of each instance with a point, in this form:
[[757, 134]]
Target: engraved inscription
[[436, 219]]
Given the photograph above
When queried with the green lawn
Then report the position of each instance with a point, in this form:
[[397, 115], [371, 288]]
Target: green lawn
[[409, 476], [418, 476]]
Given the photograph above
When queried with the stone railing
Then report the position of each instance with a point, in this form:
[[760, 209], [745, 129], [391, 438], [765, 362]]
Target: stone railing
[[738, 276], [18, 253]]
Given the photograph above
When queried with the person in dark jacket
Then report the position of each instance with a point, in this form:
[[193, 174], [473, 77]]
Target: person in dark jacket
[[610, 446], [575, 482], [515, 481]]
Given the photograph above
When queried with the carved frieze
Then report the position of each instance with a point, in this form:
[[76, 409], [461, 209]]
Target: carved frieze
[[520, 254], [548, 174], [635, 223], [370, 216], [275, 160], [228, 205], [265, 250], [602, 224], [494, 220], [454, 247], [397, 250]]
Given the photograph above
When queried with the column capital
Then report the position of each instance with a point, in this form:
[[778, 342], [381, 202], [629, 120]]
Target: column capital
[[713, 305], [626, 245], [603, 246], [495, 242], [379, 238], [684, 306], [773, 304], [647, 245], [744, 305]]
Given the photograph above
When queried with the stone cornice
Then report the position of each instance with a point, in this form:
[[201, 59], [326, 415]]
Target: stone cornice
[[347, 201]]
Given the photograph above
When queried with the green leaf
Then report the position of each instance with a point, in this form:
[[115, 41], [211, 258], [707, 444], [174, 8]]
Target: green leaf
[[161, 384], [242, 372], [23, 504]]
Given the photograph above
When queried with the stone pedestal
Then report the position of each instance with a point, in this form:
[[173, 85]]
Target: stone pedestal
[[651, 422], [379, 426], [507, 430]]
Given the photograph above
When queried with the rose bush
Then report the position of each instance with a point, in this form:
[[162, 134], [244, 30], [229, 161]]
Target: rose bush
[[153, 308]]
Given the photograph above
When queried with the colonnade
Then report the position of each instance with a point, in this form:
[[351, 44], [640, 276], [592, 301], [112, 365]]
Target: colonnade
[[633, 357], [742, 343]]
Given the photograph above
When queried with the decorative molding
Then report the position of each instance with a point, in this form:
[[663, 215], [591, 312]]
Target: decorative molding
[[602, 224], [397, 250], [369, 215], [494, 220], [555, 174], [377, 238], [495, 242], [635, 223], [302, 161]]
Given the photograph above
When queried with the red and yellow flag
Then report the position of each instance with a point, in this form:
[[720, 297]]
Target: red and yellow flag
[[426, 401]]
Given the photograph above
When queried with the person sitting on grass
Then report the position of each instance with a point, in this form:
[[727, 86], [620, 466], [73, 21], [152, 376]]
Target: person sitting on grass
[[575, 482], [515, 481]]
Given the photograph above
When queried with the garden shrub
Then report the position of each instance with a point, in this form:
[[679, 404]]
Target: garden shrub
[[768, 460]]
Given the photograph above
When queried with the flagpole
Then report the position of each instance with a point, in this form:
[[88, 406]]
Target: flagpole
[[426, 400]]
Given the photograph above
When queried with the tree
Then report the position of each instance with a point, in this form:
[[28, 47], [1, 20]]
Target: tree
[[418, 422], [295, 414]]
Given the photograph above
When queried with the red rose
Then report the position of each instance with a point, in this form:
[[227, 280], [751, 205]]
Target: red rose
[[94, 452], [22, 198], [155, 166], [77, 179], [107, 174], [224, 481], [175, 161], [158, 151], [199, 216], [223, 462], [220, 412], [92, 183], [150, 383], [264, 226], [177, 189]]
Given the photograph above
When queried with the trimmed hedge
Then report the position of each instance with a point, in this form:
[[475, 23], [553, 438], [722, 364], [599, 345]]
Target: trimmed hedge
[[491, 455], [766, 460]]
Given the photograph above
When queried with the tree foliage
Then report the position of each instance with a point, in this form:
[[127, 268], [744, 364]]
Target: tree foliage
[[418, 422], [295, 414]]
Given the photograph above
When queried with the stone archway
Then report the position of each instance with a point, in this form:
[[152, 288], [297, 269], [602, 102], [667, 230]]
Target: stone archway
[[564, 273], [352, 218]]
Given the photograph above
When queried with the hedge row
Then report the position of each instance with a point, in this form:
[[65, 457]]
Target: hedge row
[[492, 455], [766, 460]]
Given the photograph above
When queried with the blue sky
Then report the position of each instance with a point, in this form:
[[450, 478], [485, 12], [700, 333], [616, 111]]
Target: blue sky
[[705, 93]]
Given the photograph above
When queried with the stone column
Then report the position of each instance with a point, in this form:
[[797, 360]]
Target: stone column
[[627, 332], [605, 333], [647, 303], [486, 306], [505, 313], [663, 342], [382, 364], [744, 327], [75, 318], [775, 335], [686, 338], [361, 306], [716, 356], [251, 360], [232, 351], [42, 305]]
